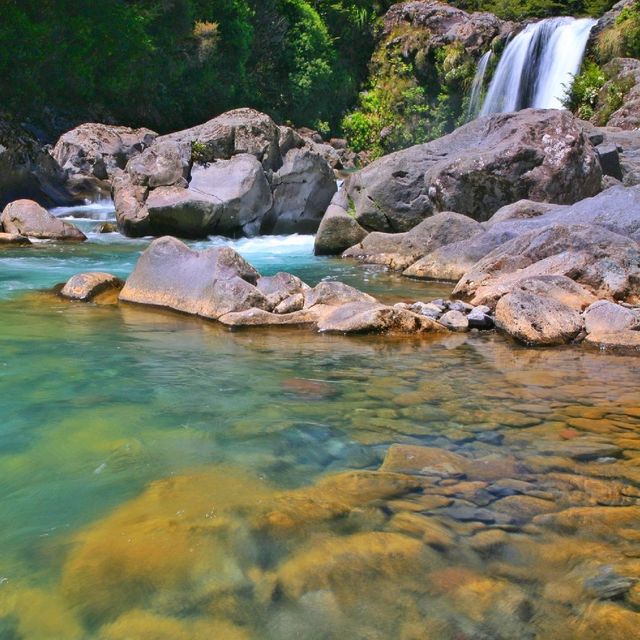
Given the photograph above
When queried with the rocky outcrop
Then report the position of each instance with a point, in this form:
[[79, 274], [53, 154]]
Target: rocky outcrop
[[235, 175], [86, 286], [521, 210], [623, 76], [28, 218], [400, 250], [541, 155], [607, 263], [91, 153], [444, 24], [27, 170], [537, 320]]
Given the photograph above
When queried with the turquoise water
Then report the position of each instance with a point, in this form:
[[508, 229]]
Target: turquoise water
[[155, 471]]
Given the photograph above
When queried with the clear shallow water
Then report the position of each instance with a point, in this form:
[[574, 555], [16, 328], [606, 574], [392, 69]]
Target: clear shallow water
[[155, 473]]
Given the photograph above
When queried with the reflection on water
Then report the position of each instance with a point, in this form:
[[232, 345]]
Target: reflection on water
[[164, 478]]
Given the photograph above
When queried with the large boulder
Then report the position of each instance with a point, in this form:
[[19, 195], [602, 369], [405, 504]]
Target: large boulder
[[338, 229], [208, 283], [400, 250], [537, 320], [91, 153], [27, 170], [225, 177], [302, 189], [28, 218], [233, 133], [226, 197], [541, 155], [605, 316], [607, 263]]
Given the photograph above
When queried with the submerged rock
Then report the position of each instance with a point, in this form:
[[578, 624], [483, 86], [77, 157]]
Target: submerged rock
[[28, 218]]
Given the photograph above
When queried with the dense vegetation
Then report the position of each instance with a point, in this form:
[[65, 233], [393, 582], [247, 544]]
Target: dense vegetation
[[171, 63], [168, 64], [601, 87]]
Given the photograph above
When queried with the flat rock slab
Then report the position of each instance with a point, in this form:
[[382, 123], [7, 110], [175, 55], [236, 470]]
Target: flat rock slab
[[86, 286], [628, 341]]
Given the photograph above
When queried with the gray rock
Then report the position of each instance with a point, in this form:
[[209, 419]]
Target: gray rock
[[537, 321], [608, 585], [541, 155], [86, 286], [400, 250], [13, 239], [607, 263], [372, 317], [91, 153], [164, 164], [293, 303], [236, 132], [260, 318], [607, 317], [28, 218], [280, 287], [208, 283], [338, 229], [454, 321], [521, 210], [227, 197], [610, 161], [302, 190], [560, 288], [480, 319], [333, 294]]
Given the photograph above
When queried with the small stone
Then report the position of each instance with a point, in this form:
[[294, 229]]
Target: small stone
[[86, 286], [455, 321], [480, 320], [475, 514], [608, 585], [491, 437], [488, 540]]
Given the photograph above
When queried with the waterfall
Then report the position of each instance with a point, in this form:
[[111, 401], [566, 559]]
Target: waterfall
[[478, 85], [538, 66]]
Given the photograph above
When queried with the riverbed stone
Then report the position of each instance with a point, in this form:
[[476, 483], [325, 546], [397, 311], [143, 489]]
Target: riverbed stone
[[413, 459], [372, 317], [559, 288], [627, 341], [208, 283], [454, 321], [334, 293], [86, 286], [537, 321], [607, 317], [28, 218]]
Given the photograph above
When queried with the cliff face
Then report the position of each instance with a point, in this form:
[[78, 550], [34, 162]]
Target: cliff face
[[421, 73]]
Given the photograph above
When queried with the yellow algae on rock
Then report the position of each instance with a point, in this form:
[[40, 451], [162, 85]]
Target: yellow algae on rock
[[331, 497], [341, 563], [144, 625], [180, 534], [39, 615]]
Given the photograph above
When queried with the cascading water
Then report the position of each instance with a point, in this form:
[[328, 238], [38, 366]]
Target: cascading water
[[538, 66], [478, 85]]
